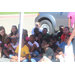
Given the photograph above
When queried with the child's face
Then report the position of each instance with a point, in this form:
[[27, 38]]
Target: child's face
[[13, 29], [44, 44], [14, 40], [61, 29], [31, 38], [44, 31], [66, 31], [40, 36], [24, 32], [8, 40]]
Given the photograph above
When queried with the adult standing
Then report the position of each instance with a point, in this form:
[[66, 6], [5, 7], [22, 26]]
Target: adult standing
[[71, 19], [3, 33], [37, 25]]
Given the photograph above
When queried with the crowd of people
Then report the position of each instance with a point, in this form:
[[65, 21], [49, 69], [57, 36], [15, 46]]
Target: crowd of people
[[40, 46]]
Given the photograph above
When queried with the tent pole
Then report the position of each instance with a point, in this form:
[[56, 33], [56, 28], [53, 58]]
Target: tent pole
[[20, 39]]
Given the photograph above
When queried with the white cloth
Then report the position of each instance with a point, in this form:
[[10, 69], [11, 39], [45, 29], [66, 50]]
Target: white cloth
[[14, 46], [31, 44], [69, 54], [32, 32]]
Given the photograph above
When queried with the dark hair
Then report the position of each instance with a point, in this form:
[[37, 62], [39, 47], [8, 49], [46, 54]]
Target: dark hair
[[45, 29], [36, 30], [51, 36], [55, 37], [9, 39], [16, 30], [67, 27], [61, 26], [47, 40], [33, 36], [1, 27], [26, 31], [24, 38], [0, 36]]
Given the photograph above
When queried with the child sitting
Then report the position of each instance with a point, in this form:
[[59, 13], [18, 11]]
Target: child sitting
[[11, 46], [65, 32], [6, 47], [49, 53], [61, 28], [61, 49], [25, 55], [55, 38], [52, 44], [33, 46]]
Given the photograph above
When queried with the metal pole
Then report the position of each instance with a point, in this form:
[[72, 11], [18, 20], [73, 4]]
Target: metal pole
[[20, 39]]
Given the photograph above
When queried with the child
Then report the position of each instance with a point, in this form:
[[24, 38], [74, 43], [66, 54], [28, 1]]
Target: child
[[25, 35], [52, 44], [45, 34], [55, 39], [65, 32], [61, 28], [49, 53], [33, 46], [61, 49], [12, 46], [71, 19], [25, 55], [6, 47]]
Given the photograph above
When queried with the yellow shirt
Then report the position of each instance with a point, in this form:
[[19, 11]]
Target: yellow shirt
[[24, 51]]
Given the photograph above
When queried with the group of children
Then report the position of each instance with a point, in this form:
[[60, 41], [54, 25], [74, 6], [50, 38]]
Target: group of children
[[39, 45]]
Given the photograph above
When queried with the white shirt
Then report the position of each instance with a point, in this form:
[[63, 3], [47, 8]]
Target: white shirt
[[31, 44], [32, 32]]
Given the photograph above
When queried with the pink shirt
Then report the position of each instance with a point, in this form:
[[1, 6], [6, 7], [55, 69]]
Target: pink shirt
[[71, 15]]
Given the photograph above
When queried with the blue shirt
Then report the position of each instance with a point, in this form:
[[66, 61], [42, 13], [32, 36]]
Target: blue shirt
[[62, 45]]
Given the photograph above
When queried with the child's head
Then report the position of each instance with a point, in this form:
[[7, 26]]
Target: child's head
[[61, 28], [8, 40], [25, 32], [0, 37], [66, 30], [13, 39], [36, 31], [66, 38], [44, 31], [32, 38], [45, 43], [55, 39], [40, 36], [51, 38]]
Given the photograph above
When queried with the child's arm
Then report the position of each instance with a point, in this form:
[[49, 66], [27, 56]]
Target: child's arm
[[35, 48], [29, 47], [57, 50]]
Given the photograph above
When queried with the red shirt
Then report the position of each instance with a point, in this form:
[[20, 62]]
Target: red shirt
[[63, 36]]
